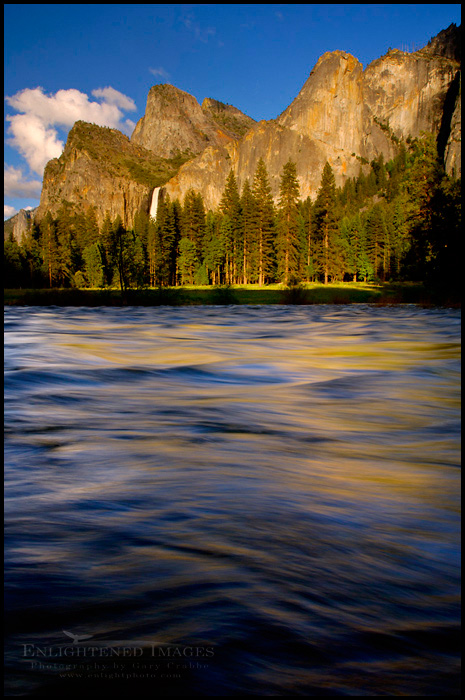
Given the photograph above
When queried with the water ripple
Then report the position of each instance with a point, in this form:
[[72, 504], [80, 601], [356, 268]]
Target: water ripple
[[278, 485]]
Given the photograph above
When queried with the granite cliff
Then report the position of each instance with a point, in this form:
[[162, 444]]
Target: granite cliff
[[174, 123], [18, 224], [344, 114], [103, 169]]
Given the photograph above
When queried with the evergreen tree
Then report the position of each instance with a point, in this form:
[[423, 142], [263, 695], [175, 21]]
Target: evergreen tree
[[231, 207], [188, 261], [227, 237], [165, 235], [288, 224], [248, 222], [141, 226], [443, 270], [375, 227], [49, 248], [214, 253], [153, 251], [68, 253], [352, 238], [264, 227], [136, 261], [421, 181], [13, 261], [122, 250], [193, 221], [379, 170], [32, 257], [93, 265], [108, 249], [326, 226]]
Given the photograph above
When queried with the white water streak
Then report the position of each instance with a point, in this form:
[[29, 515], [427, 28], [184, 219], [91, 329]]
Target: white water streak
[[154, 203]]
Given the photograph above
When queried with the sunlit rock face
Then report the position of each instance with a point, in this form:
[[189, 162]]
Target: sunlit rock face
[[18, 225], [344, 115], [329, 108], [95, 171], [174, 122], [408, 91], [206, 174]]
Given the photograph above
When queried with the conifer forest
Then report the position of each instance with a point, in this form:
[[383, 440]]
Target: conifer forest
[[398, 221]]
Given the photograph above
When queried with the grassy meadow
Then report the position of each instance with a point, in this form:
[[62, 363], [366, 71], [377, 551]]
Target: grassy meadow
[[311, 293]]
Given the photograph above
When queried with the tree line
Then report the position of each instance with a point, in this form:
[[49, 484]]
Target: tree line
[[401, 221]]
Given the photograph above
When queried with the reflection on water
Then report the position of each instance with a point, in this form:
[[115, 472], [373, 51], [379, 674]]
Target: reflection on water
[[277, 487]]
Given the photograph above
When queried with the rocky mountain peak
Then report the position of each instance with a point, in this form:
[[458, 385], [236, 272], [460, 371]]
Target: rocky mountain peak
[[174, 123], [447, 43], [343, 115], [330, 104]]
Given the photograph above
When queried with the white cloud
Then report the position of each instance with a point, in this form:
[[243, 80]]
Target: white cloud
[[159, 73], [115, 97], [16, 186], [130, 126], [8, 211], [34, 132], [36, 143]]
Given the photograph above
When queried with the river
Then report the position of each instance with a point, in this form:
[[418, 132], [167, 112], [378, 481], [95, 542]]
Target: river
[[232, 500]]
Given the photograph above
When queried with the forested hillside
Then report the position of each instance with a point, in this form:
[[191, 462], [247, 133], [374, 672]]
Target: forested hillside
[[399, 222]]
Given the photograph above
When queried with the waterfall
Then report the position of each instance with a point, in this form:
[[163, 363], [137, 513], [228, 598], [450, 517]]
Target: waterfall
[[154, 204]]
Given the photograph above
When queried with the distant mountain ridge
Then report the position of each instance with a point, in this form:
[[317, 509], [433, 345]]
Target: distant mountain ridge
[[344, 114]]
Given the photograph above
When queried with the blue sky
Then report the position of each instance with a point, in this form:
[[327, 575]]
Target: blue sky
[[98, 62]]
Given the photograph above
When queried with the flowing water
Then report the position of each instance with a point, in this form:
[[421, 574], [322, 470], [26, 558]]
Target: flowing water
[[232, 500]]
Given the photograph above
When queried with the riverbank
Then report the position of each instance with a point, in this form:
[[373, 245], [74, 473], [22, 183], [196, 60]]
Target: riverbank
[[343, 293]]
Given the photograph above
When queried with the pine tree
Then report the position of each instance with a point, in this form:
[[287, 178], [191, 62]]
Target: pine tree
[[227, 238], [13, 261], [193, 221], [49, 248], [166, 236], [136, 261], [288, 224], [141, 226], [69, 225], [108, 249], [214, 253], [231, 207], [32, 256], [265, 226], [248, 222], [93, 265], [352, 239], [188, 261], [421, 181], [326, 226], [307, 265], [123, 252], [376, 232]]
